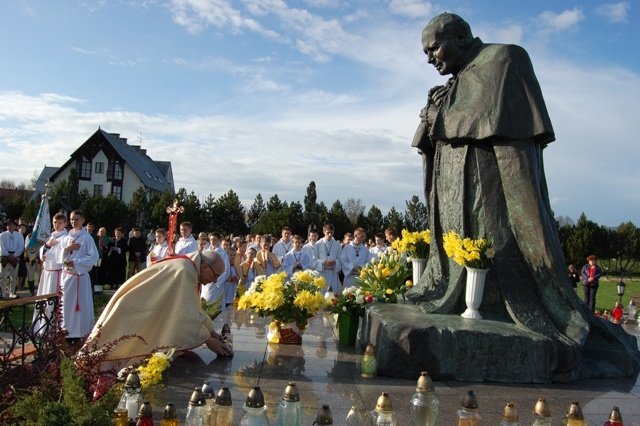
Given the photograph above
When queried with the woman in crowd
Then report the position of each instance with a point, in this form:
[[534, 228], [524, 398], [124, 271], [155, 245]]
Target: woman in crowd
[[103, 260], [591, 274], [117, 250], [574, 276]]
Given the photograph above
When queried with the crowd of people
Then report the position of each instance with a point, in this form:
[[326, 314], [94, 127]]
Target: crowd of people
[[211, 267], [77, 262], [16, 267]]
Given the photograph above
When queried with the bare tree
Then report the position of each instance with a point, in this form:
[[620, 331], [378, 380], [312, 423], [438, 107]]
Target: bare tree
[[353, 208], [34, 180], [11, 184], [7, 183], [565, 220]]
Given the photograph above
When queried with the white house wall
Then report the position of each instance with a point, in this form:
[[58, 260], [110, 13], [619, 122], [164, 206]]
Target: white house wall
[[130, 183]]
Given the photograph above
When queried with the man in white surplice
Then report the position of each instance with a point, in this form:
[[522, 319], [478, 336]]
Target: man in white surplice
[[78, 253], [284, 244], [310, 248], [355, 256], [328, 258]]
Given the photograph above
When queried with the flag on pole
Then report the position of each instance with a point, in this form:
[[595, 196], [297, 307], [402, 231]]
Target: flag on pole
[[41, 230]]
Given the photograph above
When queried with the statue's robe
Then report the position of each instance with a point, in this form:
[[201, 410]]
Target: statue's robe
[[484, 177]]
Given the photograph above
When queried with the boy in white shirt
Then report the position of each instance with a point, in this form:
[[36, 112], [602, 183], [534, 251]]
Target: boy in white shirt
[[51, 270], [310, 249], [379, 248], [296, 260], [159, 250], [186, 243], [284, 244]]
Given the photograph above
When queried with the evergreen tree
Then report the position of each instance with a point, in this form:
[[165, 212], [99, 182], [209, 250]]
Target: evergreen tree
[[210, 213], [583, 240], [394, 219], [296, 219], [192, 211], [255, 211], [106, 211], [66, 190], [274, 204], [375, 221], [322, 215], [31, 210], [311, 206], [415, 217], [14, 206], [159, 216], [140, 209], [564, 234], [627, 246], [338, 217], [230, 215]]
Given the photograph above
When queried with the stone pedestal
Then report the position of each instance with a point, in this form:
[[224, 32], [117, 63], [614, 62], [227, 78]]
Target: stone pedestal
[[449, 347]]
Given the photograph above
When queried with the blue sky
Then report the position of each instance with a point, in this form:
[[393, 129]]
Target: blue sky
[[264, 96]]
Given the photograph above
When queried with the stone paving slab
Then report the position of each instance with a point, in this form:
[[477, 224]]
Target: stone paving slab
[[328, 373]]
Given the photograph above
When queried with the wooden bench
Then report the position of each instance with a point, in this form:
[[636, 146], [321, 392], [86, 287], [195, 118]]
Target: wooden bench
[[18, 354]]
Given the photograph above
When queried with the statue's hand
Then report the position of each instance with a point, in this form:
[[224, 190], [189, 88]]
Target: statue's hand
[[437, 93], [423, 115]]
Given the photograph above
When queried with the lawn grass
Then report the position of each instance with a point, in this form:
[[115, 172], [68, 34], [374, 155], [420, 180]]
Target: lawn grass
[[99, 302], [607, 295]]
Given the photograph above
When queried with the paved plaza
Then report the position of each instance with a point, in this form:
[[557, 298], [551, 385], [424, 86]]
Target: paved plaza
[[327, 373]]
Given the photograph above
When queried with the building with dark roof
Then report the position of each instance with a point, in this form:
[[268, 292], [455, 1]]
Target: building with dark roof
[[107, 164]]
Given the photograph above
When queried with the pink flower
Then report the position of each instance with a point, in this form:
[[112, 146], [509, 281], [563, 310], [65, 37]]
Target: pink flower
[[369, 299]]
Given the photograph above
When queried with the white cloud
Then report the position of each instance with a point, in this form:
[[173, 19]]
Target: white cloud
[[323, 3], [508, 33], [130, 63], [592, 110], [261, 84], [93, 5], [568, 19], [415, 9], [198, 15], [614, 12], [83, 51]]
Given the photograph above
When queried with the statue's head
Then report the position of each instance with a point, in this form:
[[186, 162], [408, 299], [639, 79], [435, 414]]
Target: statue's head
[[445, 40]]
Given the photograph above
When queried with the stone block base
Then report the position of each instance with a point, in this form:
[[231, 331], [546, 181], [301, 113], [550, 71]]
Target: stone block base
[[449, 347]]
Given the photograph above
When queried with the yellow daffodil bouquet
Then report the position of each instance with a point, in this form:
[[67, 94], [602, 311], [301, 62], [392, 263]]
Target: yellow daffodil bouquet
[[151, 372], [385, 278], [414, 244], [467, 251], [286, 299]]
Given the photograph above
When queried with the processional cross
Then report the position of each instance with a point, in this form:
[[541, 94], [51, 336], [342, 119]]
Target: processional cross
[[173, 211]]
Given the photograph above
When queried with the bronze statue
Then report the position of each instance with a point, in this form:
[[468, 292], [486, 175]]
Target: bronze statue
[[482, 137]]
